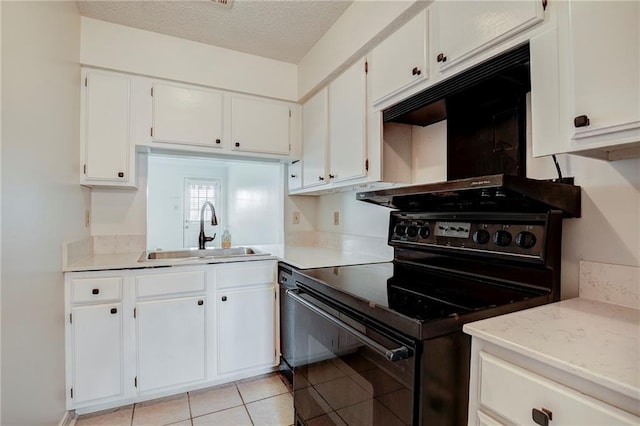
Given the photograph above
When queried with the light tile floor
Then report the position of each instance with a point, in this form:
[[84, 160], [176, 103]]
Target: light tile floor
[[264, 400]]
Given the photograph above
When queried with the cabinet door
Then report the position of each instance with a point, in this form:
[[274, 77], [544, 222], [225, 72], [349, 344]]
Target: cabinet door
[[106, 129], [348, 124], [259, 125], [314, 140], [605, 49], [186, 115], [97, 352], [294, 176], [400, 61], [466, 28], [246, 329], [171, 342]]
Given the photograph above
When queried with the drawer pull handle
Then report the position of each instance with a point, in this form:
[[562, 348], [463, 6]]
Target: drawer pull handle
[[224, 298], [416, 71], [95, 291], [541, 416], [200, 302], [581, 121], [114, 310], [441, 57]]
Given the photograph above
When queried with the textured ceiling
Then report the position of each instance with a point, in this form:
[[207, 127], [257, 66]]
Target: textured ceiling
[[280, 29]]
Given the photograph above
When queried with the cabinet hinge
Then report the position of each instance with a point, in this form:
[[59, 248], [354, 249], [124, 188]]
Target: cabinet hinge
[[289, 113], [366, 67], [289, 147], [135, 381], [84, 169], [71, 392], [544, 4], [85, 82], [152, 132], [152, 91], [134, 312], [70, 318], [366, 164]]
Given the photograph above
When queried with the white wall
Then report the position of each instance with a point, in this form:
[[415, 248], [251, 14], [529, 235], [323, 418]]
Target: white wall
[[42, 204], [121, 211], [255, 203], [166, 199], [251, 204], [137, 51]]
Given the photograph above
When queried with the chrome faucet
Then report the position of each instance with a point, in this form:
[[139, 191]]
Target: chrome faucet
[[203, 239]]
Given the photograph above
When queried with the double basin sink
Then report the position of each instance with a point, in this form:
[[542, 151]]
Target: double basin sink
[[193, 254]]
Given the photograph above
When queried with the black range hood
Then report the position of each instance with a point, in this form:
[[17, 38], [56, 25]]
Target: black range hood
[[485, 109], [481, 194]]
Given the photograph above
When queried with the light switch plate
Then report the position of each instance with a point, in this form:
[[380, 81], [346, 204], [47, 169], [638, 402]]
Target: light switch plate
[[296, 218], [336, 218]]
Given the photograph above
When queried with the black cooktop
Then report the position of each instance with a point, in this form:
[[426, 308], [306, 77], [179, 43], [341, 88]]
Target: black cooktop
[[411, 297]]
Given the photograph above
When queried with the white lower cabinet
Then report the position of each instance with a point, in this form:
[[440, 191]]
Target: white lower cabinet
[[135, 334], [171, 342], [242, 341], [96, 332], [505, 390]]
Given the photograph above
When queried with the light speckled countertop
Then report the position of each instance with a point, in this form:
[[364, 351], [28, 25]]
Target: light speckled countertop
[[593, 340], [302, 257]]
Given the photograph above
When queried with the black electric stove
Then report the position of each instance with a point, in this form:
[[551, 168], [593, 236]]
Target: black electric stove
[[383, 343]]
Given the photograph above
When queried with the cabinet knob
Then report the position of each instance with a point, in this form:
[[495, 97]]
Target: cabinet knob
[[441, 57], [320, 178], [581, 121], [541, 416], [237, 144], [95, 291], [332, 176], [200, 302], [120, 174], [224, 298], [218, 141], [114, 311], [293, 176], [416, 71]]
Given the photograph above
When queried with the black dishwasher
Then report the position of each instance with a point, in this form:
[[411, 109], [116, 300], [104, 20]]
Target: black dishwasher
[[287, 306]]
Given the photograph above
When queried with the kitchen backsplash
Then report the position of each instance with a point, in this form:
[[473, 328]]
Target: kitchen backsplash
[[112, 244], [348, 243], [616, 284]]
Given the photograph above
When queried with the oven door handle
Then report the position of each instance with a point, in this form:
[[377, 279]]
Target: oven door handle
[[396, 354]]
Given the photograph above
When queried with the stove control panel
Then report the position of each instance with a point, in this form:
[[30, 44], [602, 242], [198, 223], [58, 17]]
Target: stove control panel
[[480, 234]]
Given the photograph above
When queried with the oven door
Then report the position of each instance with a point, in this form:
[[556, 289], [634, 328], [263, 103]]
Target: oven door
[[347, 372]]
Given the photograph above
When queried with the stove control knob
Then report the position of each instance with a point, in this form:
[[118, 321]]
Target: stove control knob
[[412, 231], [424, 232], [481, 236], [525, 239], [400, 230], [502, 238]]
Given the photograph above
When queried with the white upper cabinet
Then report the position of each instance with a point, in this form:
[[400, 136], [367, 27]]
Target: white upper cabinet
[[105, 130], [314, 140], [186, 115], [605, 72], [294, 178], [348, 124], [466, 28], [400, 61], [260, 125]]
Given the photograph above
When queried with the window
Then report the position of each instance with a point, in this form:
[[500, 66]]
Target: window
[[197, 192]]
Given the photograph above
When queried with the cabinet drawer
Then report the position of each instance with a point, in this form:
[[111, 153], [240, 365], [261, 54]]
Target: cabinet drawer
[[249, 273], [513, 392], [169, 283], [96, 289]]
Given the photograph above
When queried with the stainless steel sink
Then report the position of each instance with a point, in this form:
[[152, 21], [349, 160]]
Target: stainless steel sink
[[213, 253]]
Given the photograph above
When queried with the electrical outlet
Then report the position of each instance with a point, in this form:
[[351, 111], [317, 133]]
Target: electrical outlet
[[87, 218], [296, 218], [336, 218]]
